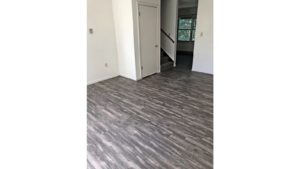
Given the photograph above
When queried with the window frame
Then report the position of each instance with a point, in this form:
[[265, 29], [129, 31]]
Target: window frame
[[194, 20]]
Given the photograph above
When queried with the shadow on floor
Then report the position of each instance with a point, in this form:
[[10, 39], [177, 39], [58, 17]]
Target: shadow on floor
[[184, 61]]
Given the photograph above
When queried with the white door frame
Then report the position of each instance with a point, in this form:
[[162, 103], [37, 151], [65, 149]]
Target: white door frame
[[176, 34], [157, 58]]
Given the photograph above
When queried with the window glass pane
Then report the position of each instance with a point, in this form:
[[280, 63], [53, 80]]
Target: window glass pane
[[193, 35], [184, 35], [185, 23], [194, 24]]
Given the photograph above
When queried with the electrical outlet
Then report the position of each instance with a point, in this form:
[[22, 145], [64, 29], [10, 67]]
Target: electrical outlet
[[201, 34], [91, 31], [106, 65]]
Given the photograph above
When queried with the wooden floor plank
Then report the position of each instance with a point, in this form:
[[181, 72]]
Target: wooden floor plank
[[162, 121]]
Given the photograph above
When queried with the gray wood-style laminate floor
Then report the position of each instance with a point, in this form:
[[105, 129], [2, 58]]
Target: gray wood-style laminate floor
[[162, 121]]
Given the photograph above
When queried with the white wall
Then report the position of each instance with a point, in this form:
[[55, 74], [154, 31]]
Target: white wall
[[169, 11], [101, 45], [203, 48], [114, 41], [169, 17], [123, 19]]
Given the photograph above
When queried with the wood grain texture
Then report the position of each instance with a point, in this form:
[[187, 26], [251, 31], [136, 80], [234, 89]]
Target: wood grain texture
[[162, 121]]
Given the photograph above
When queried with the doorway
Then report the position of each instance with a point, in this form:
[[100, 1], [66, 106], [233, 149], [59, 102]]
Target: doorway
[[186, 28]]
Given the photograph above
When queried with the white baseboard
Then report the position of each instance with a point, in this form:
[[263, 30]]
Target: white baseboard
[[101, 79], [209, 73], [202, 71]]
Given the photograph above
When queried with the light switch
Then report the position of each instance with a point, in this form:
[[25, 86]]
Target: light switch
[[91, 31]]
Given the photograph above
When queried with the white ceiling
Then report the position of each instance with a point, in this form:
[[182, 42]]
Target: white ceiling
[[187, 3]]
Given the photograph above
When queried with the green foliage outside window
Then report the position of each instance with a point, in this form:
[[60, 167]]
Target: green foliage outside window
[[186, 29]]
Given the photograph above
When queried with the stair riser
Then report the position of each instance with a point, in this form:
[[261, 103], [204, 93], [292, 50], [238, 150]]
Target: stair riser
[[164, 60], [167, 66], [162, 69]]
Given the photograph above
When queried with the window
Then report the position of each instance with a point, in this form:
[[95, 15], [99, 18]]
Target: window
[[186, 29]]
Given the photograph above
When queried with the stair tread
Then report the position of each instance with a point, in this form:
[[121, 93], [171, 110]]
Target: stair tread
[[164, 61], [167, 63]]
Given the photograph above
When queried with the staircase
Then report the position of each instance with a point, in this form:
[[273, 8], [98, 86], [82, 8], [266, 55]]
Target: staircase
[[166, 62]]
